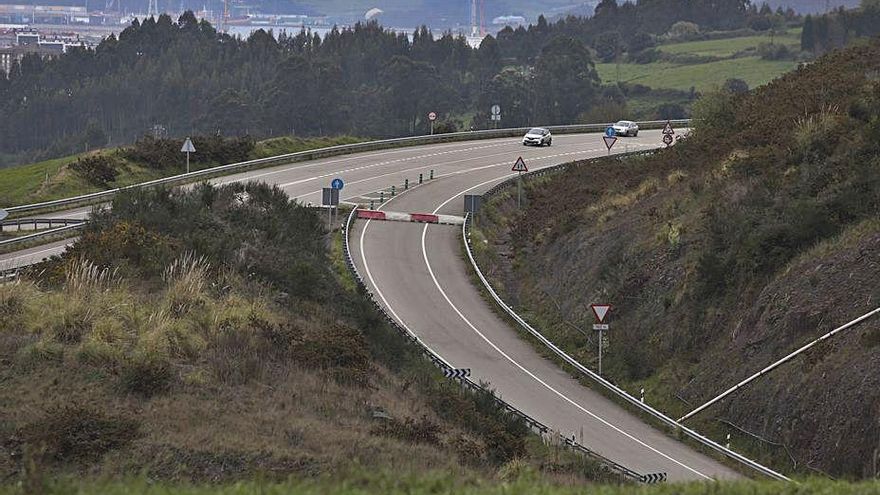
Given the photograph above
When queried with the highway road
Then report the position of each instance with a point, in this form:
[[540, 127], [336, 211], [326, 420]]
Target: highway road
[[419, 274], [366, 174]]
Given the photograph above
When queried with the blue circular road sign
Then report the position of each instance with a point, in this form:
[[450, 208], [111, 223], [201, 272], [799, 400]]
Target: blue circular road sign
[[337, 184], [609, 131]]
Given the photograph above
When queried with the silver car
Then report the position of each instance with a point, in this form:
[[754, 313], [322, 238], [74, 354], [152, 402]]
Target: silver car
[[626, 128], [537, 136]]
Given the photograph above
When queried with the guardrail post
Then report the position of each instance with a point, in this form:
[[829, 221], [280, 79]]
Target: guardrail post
[[420, 178], [405, 184]]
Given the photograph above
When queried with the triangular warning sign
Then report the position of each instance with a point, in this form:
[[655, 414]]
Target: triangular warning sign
[[520, 166], [188, 146], [609, 141], [600, 310], [668, 128]]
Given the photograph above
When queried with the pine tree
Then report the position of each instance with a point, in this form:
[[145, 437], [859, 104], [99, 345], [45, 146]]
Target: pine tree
[[808, 41]]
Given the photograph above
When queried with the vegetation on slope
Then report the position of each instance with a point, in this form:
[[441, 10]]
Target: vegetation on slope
[[146, 159], [722, 254], [516, 480], [202, 336]]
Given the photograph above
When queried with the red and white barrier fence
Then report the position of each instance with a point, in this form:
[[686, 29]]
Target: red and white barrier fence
[[410, 217]]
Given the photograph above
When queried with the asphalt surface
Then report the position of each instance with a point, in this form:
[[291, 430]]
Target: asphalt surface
[[419, 275], [421, 278]]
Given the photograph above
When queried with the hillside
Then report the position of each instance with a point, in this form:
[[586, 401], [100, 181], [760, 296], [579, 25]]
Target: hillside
[[722, 254], [205, 337]]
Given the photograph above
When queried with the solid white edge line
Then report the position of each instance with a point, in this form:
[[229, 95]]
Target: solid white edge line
[[512, 361]]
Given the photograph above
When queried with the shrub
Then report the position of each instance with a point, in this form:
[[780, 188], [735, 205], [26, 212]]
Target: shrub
[[145, 375], [646, 56], [73, 433], [421, 430], [165, 153], [98, 170], [775, 51], [671, 111]]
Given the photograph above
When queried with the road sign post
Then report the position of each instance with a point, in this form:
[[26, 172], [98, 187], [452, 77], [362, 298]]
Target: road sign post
[[336, 184], [496, 114], [432, 117], [600, 311], [520, 167], [330, 199], [188, 148]]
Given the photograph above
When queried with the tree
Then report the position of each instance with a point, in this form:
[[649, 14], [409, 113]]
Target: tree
[[808, 41], [683, 30], [567, 79], [608, 46], [735, 86]]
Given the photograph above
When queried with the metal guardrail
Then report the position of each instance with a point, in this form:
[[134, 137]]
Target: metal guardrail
[[614, 389], [321, 153], [438, 361], [18, 222], [41, 235]]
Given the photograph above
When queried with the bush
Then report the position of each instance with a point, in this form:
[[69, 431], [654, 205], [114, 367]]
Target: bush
[[671, 111], [775, 51], [165, 153], [145, 375], [646, 56], [73, 433], [98, 170]]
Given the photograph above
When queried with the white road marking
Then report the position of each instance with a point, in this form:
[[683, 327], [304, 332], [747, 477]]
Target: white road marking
[[314, 163], [512, 361]]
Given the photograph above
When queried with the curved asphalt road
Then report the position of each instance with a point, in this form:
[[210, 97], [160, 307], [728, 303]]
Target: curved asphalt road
[[420, 277]]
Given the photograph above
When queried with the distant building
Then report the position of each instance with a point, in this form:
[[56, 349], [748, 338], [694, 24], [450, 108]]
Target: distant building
[[509, 20], [31, 42]]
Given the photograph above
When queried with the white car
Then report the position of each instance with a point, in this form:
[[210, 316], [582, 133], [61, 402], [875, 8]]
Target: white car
[[626, 128], [538, 136]]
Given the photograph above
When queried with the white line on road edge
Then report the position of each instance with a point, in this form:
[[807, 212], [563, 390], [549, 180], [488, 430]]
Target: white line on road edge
[[614, 388], [779, 362], [515, 363]]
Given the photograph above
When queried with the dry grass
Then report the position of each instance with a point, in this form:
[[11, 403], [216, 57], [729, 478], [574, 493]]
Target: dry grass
[[222, 384]]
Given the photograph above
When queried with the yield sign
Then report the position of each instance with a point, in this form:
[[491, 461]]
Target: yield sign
[[600, 310], [520, 166], [609, 141], [668, 128]]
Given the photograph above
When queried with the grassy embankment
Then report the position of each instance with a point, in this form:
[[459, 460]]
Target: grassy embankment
[[721, 255], [439, 483], [53, 179], [204, 336]]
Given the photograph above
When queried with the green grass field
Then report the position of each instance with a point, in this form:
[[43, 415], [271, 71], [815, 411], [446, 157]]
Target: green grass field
[[729, 46], [703, 77]]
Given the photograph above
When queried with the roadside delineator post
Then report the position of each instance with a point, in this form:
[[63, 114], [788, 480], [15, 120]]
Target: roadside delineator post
[[420, 178], [432, 175], [392, 191], [405, 184]]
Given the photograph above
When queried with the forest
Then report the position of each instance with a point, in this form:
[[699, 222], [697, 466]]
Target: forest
[[185, 77]]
